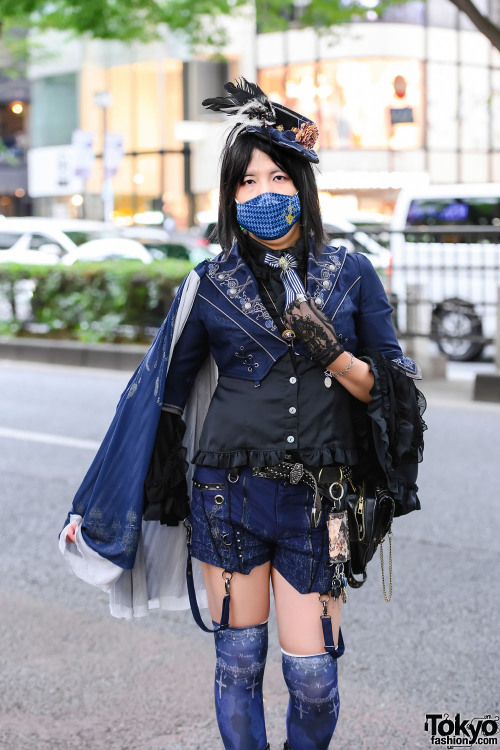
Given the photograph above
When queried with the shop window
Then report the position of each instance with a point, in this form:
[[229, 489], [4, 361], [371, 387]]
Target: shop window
[[357, 103], [442, 103], [474, 112]]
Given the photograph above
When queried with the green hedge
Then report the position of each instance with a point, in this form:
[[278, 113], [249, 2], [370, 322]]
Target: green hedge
[[106, 301]]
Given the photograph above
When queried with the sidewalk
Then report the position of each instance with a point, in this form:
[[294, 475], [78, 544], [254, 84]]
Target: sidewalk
[[75, 353]]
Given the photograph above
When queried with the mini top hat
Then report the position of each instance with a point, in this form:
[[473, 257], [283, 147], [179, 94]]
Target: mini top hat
[[256, 114]]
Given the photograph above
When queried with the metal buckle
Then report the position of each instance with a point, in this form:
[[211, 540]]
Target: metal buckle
[[324, 603], [296, 473], [227, 580]]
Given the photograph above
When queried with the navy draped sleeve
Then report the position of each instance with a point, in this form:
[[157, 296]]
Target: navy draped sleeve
[[374, 326]]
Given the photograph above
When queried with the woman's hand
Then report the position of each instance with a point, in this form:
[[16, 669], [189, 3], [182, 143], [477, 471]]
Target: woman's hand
[[314, 330], [70, 534]]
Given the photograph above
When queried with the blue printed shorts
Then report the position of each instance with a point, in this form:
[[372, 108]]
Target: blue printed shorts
[[240, 524]]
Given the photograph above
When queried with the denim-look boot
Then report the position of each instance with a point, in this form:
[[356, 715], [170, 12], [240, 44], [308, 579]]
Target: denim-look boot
[[239, 672], [313, 707]]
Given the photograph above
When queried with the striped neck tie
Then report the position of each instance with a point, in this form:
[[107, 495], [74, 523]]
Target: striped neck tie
[[290, 278]]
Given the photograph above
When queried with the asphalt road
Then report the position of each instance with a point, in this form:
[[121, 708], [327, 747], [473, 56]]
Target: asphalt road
[[73, 677]]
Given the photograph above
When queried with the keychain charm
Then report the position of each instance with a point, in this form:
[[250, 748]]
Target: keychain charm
[[338, 537]]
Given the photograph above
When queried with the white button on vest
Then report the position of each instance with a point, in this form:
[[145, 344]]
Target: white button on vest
[[293, 380], [292, 410], [290, 439]]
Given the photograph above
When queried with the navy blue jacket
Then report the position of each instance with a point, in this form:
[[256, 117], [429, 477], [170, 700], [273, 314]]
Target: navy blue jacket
[[230, 320]]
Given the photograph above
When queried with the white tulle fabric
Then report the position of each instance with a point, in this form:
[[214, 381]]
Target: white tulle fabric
[[85, 562], [158, 578]]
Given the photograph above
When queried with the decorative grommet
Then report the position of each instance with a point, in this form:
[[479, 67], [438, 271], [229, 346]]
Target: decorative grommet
[[219, 499]]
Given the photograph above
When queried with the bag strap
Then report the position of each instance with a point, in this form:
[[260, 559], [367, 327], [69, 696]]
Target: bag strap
[[355, 583], [224, 618]]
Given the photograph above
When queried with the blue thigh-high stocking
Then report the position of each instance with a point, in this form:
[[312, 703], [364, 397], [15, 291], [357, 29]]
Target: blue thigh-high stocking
[[314, 703], [239, 672]]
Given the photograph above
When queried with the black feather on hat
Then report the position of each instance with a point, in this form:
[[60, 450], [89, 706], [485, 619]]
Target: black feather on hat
[[257, 114]]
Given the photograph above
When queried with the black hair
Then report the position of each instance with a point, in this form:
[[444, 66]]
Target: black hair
[[234, 162]]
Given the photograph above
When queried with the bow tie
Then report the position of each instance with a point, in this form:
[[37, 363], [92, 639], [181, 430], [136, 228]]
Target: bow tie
[[290, 278]]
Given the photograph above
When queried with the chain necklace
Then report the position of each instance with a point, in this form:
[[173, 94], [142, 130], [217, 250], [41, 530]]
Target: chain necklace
[[287, 334]]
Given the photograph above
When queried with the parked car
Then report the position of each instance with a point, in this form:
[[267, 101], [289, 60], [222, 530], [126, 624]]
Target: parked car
[[111, 248], [340, 231], [445, 245], [188, 245], [43, 241]]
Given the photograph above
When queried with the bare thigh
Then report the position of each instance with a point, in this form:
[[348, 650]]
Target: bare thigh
[[298, 615], [249, 595]]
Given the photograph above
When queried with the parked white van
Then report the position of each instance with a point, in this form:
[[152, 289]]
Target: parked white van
[[445, 245]]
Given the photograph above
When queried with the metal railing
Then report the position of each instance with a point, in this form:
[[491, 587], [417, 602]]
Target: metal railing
[[443, 282]]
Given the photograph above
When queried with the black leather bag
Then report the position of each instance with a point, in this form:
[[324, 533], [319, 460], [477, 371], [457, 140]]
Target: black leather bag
[[370, 511]]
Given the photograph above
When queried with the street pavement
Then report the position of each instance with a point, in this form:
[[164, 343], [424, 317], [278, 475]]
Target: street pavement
[[73, 677]]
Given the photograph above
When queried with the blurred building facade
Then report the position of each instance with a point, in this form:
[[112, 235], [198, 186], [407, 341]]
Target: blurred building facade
[[414, 97], [14, 113], [148, 96]]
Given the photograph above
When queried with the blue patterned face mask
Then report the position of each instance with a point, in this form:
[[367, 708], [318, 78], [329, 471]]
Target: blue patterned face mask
[[269, 216]]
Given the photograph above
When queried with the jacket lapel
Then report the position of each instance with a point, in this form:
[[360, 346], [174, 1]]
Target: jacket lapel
[[234, 280], [323, 274]]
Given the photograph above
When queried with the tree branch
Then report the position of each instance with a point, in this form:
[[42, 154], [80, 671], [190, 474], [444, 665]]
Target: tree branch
[[490, 30]]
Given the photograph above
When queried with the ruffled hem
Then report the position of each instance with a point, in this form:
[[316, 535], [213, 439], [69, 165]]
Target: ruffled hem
[[331, 454], [405, 498]]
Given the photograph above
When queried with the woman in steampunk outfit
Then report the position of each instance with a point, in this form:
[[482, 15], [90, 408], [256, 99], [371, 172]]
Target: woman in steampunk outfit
[[278, 361]]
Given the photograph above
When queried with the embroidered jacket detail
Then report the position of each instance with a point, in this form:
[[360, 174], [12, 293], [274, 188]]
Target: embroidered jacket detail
[[239, 326], [252, 307], [246, 359], [321, 285], [409, 366], [345, 295]]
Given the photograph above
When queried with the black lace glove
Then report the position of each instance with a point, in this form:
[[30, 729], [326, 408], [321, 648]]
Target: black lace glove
[[314, 330]]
